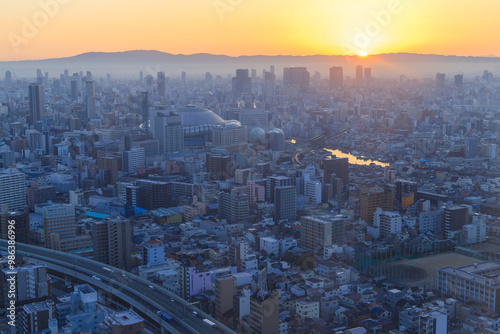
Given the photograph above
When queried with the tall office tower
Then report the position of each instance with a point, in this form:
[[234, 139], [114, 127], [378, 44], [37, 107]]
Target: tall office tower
[[111, 161], [184, 76], [162, 86], [285, 203], [21, 225], [133, 159], [458, 80], [74, 89], [220, 166], [406, 193], [421, 147], [440, 80], [89, 76], [269, 89], [58, 223], [8, 78], [337, 166], [359, 75], [56, 87], [90, 99], [389, 222], [39, 76], [296, 76], [225, 290], [168, 129], [455, 217], [112, 242], [273, 182], [373, 199], [233, 206], [336, 77], [319, 232], [242, 83], [141, 76], [471, 147], [13, 189], [367, 75], [30, 284], [36, 103], [272, 69], [153, 252], [264, 313], [145, 111]]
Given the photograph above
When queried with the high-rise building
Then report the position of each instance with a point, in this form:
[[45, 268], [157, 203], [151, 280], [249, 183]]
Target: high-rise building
[[145, 111], [373, 199], [406, 193], [58, 223], [233, 206], [21, 225], [390, 223], [36, 317], [269, 89], [38, 194], [8, 158], [30, 284], [13, 189], [367, 75], [219, 166], [264, 313], [359, 75], [112, 241], [151, 194], [471, 147], [112, 162], [458, 80], [440, 80], [455, 217], [242, 83], [8, 78], [296, 76], [337, 166], [133, 159], [90, 99], [273, 182], [336, 77], [36, 103], [168, 129], [162, 86], [225, 290], [320, 232], [285, 203], [74, 89]]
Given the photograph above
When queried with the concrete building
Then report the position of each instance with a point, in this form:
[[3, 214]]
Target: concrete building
[[133, 160], [225, 290], [168, 129], [264, 313], [58, 223], [125, 322], [307, 309], [112, 242], [319, 232], [479, 283], [22, 224], [390, 223], [373, 199], [270, 246], [153, 252], [285, 203], [13, 189], [30, 284]]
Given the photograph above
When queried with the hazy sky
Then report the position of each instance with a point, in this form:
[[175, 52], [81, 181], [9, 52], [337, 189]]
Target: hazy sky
[[37, 29]]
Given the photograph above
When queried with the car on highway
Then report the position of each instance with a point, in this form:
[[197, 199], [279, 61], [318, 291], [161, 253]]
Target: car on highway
[[107, 269], [165, 317], [96, 278], [151, 287], [210, 323], [195, 313]]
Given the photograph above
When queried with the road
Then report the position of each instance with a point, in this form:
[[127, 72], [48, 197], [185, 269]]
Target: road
[[136, 290]]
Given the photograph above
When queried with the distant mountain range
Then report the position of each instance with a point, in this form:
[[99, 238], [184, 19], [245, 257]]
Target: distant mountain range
[[128, 64]]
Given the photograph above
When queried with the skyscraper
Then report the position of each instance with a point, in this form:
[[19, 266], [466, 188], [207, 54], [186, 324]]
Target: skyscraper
[[242, 83], [162, 88], [471, 147], [440, 80], [145, 111], [337, 166], [8, 78], [133, 159], [58, 223], [36, 102], [336, 77], [285, 203], [458, 80], [359, 75], [90, 99], [112, 242], [13, 189], [296, 76]]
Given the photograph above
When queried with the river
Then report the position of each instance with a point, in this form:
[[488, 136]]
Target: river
[[355, 160]]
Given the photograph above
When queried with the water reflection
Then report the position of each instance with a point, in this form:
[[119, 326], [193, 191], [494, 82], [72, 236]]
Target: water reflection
[[355, 160]]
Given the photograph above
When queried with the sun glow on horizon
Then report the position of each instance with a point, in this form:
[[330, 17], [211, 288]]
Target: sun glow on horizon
[[363, 53]]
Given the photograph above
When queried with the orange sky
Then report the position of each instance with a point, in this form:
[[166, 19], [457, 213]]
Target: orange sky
[[248, 27]]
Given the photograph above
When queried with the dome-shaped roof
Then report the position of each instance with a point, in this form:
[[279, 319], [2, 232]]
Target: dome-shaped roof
[[194, 116], [257, 135], [277, 131]]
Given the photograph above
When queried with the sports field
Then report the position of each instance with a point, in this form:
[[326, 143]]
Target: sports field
[[421, 271]]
